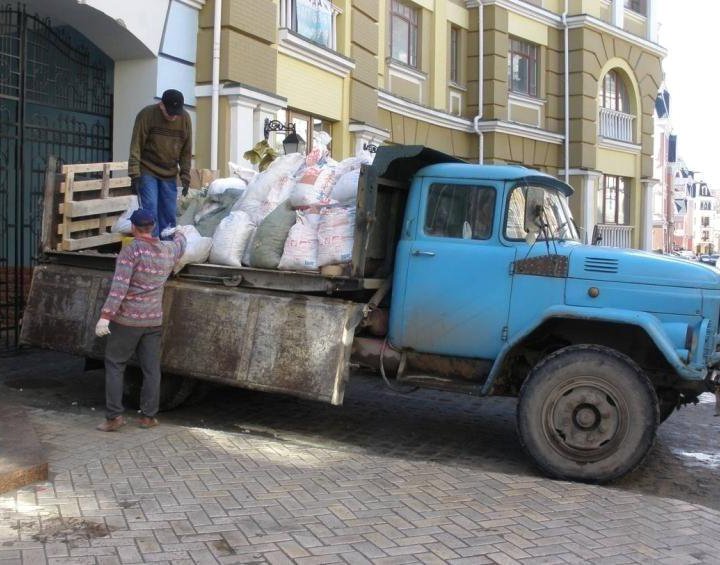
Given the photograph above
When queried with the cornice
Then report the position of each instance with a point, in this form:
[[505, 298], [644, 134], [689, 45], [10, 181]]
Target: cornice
[[511, 128], [575, 22], [392, 103]]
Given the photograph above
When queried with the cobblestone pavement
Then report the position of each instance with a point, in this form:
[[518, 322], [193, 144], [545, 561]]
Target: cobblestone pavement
[[430, 477]]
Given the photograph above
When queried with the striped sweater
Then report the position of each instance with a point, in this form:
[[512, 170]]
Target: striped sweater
[[141, 269], [158, 145]]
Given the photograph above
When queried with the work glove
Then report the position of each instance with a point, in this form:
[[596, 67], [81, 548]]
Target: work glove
[[134, 185], [186, 187], [167, 232], [102, 328], [185, 230]]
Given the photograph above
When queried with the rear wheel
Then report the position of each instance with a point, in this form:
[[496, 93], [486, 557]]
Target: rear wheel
[[174, 390], [587, 413]]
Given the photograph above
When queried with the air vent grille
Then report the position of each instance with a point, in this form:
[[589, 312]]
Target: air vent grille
[[601, 265]]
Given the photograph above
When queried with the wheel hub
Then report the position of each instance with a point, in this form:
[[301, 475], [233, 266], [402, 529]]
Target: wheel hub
[[585, 417]]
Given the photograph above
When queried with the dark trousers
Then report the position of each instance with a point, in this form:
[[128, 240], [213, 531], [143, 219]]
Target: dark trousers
[[159, 197], [122, 342]]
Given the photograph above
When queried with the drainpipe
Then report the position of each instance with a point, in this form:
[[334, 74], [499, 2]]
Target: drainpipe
[[481, 54], [215, 105], [567, 95]]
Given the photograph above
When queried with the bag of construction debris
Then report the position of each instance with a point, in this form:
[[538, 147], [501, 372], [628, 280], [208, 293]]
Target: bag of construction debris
[[336, 230], [122, 224], [301, 246], [230, 239], [196, 251], [269, 240]]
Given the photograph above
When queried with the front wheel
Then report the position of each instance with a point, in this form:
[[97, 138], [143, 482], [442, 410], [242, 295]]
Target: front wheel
[[587, 413]]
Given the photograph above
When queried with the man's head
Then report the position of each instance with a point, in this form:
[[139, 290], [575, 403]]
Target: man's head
[[142, 222], [172, 104]]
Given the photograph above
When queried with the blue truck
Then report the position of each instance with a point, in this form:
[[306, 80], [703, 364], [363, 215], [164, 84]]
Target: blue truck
[[465, 278]]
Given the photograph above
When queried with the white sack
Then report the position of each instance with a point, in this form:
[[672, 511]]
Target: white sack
[[301, 246], [218, 186], [335, 236], [122, 224], [248, 248], [283, 166], [241, 172], [231, 238], [197, 250], [345, 189], [313, 187]]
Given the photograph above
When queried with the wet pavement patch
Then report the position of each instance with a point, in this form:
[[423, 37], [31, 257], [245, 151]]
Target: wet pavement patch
[[67, 530]]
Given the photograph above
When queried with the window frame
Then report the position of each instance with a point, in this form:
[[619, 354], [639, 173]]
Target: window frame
[[619, 97], [533, 58], [454, 55], [413, 22], [312, 120], [621, 182], [425, 212], [637, 6]]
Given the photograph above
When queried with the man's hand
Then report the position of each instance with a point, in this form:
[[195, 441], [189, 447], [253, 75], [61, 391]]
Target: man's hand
[[134, 185], [102, 328], [186, 187]]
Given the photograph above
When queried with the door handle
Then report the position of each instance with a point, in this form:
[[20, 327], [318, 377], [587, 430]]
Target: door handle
[[418, 253]]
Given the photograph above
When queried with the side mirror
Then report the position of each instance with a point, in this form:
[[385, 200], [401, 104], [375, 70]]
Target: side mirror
[[596, 236]]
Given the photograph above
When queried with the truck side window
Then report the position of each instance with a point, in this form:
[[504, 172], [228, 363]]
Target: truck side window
[[460, 211]]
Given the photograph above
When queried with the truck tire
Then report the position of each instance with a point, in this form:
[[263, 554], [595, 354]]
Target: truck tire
[[587, 413], [174, 390]]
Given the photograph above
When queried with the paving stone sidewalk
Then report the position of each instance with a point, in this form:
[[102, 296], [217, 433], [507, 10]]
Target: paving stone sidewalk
[[181, 495]]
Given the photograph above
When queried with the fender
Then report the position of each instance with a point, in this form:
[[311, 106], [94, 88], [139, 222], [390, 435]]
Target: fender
[[693, 371]]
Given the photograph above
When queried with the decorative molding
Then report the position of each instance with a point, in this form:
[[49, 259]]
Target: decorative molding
[[234, 89], [369, 131], [294, 45], [392, 103], [591, 173], [633, 15], [549, 18], [575, 22], [406, 73], [510, 128], [617, 145], [535, 104]]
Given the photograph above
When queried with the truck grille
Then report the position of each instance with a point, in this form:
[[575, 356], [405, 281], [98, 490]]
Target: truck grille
[[601, 265]]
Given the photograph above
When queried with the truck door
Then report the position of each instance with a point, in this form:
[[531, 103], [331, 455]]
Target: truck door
[[451, 291]]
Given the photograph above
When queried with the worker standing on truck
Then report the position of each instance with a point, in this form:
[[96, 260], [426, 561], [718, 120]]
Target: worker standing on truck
[[161, 142], [132, 317]]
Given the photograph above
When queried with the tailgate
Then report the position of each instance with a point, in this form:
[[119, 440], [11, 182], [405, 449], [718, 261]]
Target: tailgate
[[257, 339]]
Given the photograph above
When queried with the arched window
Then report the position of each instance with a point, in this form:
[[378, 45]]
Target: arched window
[[614, 94]]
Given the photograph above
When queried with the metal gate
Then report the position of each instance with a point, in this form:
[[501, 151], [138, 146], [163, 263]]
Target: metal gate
[[55, 99]]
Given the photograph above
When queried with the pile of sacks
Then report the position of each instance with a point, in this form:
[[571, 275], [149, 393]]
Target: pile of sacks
[[297, 215]]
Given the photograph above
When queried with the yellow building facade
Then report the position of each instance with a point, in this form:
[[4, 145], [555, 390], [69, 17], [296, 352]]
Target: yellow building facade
[[407, 71]]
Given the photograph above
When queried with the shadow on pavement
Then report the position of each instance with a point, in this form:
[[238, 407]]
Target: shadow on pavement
[[446, 428]]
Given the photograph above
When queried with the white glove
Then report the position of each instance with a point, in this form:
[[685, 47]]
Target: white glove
[[102, 328]]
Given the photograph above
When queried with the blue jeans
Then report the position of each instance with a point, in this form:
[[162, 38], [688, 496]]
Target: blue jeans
[[159, 197]]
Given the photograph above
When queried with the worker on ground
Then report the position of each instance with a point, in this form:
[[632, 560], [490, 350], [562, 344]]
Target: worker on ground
[[132, 317], [161, 143]]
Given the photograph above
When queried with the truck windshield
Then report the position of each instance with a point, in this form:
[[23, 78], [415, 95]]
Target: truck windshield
[[541, 209]]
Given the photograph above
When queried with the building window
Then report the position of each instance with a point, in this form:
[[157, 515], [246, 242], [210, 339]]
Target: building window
[[706, 205], [614, 94], [523, 67], [637, 6], [705, 222], [404, 33], [306, 126], [455, 55], [613, 200], [314, 20]]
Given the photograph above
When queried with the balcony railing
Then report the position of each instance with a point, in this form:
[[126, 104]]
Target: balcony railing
[[616, 125], [613, 235]]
